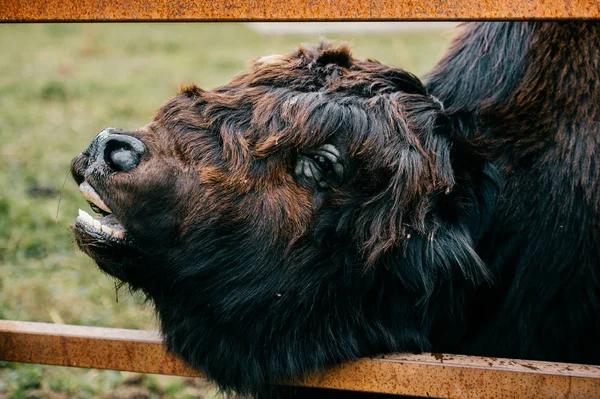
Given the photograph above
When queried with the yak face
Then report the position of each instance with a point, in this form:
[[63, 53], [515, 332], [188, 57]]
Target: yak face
[[306, 213]]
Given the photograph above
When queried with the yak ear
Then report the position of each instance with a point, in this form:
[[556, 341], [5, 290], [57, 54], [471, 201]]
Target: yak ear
[[481, 183], [411, 184], [445, 253], [487, 192], [431, 238]]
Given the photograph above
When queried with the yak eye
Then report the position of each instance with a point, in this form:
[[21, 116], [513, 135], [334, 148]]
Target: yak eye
[[323, 163], [322, 166]]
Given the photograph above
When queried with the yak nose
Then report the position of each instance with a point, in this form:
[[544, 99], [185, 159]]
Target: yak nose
[[120, 151]]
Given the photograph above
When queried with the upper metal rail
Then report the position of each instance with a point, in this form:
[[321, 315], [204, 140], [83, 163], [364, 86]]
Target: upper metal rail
[[293, 10], [425, 375]]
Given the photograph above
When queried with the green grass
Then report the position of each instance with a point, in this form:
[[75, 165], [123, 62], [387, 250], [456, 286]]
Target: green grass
[[59, 86]]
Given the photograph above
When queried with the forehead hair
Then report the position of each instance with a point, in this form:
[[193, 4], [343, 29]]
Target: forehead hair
[[305, 99]]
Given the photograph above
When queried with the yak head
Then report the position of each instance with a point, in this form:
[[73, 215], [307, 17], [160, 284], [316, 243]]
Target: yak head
[[313, 210]]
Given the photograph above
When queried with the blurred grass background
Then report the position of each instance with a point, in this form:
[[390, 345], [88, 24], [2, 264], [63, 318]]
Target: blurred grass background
[[60, 84]]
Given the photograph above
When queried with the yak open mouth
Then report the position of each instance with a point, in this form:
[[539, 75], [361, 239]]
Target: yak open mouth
[[103, 227]]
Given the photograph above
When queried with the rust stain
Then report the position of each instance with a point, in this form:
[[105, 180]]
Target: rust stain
[[292, 10], [438, 356], [529, 366], [400, 374]]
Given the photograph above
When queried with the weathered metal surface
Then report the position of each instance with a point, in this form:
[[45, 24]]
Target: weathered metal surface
[[459, 377], [426, 375], [292, 10], [93, 347]]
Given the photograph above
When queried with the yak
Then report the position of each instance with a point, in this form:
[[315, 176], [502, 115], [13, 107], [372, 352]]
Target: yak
[[320, 208]]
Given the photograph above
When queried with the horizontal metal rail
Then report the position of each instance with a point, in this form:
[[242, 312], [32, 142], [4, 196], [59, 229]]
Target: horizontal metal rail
[[425, 375], [292, 10]]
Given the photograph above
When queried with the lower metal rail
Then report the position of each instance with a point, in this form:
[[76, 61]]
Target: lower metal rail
[[425, 375]]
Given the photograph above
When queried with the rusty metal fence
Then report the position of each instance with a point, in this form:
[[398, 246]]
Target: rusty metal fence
[[292, 10], [426, 375]]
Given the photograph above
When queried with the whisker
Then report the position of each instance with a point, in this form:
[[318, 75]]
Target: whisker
[[60, 195], [117, 286]]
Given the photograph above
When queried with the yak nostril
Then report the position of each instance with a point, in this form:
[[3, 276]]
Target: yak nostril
[[123, 153], [122, 160]]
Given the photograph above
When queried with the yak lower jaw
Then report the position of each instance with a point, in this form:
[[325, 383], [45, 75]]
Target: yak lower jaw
[[105, 227]]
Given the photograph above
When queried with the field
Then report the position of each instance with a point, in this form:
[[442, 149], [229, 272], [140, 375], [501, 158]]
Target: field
[[59, 86]]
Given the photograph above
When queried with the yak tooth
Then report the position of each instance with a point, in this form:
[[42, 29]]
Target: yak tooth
[[85, 217], [91, 195]]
